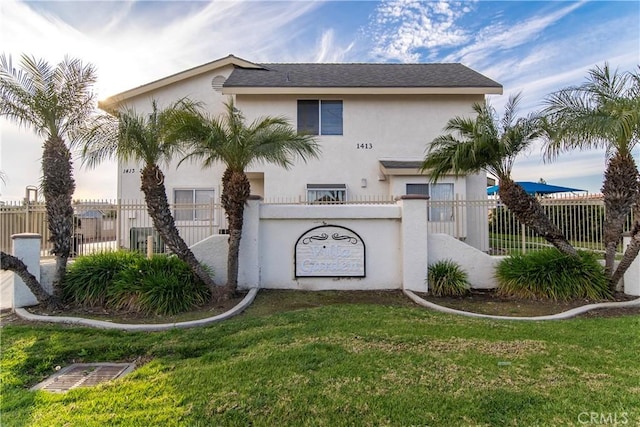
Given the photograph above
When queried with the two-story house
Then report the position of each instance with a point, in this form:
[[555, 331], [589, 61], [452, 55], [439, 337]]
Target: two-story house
[[373, 122]]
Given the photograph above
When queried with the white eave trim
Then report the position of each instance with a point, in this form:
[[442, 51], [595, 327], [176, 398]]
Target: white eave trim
[[361, 90], [119, 98]]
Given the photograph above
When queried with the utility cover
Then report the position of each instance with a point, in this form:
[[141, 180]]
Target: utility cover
[[84, 375]]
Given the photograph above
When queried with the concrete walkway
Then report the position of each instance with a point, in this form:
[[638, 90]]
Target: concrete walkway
[[101, 324], [559, 316]]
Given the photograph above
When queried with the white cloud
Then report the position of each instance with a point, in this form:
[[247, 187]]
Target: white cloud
[[130, 48], [329, 51], [500, 36], [403, 28]]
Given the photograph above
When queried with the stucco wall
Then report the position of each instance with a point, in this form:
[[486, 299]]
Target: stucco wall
[[379, 227], [399, 247], [188, 175], [390, 126], [213, 251], [479, 266], [395, 126], [398, 251]]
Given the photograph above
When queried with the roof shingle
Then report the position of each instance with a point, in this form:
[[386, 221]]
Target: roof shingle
[[359, 75]]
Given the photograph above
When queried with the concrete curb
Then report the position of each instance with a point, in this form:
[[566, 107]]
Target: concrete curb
[[564, 315], [101, 324]]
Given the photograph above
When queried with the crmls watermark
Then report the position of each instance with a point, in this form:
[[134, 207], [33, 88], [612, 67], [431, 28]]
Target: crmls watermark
[[603, 418]]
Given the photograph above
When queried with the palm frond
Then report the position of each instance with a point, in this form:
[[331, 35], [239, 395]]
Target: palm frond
[[99, 140], [131, 136], [53, 101], [603, 112], [481, 143], [230, 140]]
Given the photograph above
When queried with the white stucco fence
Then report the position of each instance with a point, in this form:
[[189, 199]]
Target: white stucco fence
[[268, 245], [325, 247]]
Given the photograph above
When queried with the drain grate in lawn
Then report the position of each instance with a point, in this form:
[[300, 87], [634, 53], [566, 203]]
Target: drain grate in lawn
[[84, 375]]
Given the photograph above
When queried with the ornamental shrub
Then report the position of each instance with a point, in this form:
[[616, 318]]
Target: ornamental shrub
[[162, 285], [127, 280], [89, 276], [446, 278], [550, 274]]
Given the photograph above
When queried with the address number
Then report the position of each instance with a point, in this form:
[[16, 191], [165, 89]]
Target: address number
[[364, 146], [128, 171]]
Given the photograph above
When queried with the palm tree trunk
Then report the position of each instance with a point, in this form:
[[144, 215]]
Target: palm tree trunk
[[58, 186], [620, 190], [630, 253], [527, 210], [11, 263], [158, 207], [235, 193]]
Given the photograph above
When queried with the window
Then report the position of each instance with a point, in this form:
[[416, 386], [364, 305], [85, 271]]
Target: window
[[217, 82], [326, 193], [439, 194], [193, 205], [421, 189], [320, 117]]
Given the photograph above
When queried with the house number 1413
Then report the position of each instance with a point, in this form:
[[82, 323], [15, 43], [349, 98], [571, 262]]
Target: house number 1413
[[364, 146]]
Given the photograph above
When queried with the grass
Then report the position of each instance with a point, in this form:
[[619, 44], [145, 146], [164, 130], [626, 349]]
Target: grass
[[297, 358], [512, 243]]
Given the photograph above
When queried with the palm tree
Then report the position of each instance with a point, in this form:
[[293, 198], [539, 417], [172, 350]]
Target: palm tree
[[603, 112], [129, 136], [14, 264], [491, 145], [231, 141], [53, 102]]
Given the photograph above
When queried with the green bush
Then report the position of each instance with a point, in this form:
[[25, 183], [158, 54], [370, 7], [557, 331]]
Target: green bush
[[89, 277], [446, 278], [127, 280], [553, 275], [161, 285]]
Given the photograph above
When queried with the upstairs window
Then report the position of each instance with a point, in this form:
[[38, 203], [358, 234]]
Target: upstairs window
[[326, 193], [319, 117], [193, 205]]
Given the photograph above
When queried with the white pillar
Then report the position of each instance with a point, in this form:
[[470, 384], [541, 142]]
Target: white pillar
[[414, 242], [26, 247], [249, 258], [632, 275]]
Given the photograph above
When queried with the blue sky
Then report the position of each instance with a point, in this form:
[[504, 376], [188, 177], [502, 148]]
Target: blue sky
[[531, 46]]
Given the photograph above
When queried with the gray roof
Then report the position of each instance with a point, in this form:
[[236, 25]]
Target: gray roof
[[359, 75], [401, 164]]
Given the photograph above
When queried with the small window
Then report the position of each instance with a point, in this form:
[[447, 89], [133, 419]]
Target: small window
[[320, 117], [439, 195], [421, 189], [193, 205], [326, 193]]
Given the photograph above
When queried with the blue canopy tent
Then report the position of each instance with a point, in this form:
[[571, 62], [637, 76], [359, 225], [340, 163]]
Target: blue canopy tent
[[535, 188]]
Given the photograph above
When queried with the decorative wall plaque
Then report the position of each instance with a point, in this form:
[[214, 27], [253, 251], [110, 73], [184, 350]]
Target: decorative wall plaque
[[330, 251]]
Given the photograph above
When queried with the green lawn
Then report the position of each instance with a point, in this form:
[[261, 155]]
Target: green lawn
[[310, 359]]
